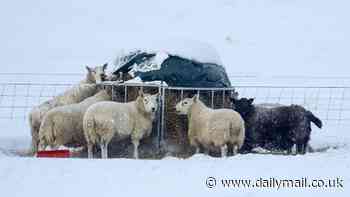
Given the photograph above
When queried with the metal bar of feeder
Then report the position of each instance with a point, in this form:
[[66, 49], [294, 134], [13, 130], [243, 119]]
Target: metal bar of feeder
[[223, 97], [212, 99], [125, 93], [163, 113], [112, 92], [219, 89], [158, 119]]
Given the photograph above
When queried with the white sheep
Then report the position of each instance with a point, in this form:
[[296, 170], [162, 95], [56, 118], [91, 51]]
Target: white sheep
[[105, 120], [76, 94], [212, 128], [95, 75], [64, 125]]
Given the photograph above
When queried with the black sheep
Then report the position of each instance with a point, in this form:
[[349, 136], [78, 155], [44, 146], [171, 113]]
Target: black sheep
[[277, 128]]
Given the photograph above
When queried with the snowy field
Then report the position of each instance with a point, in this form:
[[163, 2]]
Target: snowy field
[[261, 42]]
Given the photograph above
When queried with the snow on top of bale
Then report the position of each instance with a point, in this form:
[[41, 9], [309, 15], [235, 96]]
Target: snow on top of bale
[[189, 49]]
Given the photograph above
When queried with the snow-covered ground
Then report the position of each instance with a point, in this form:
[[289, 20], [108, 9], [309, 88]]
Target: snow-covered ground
[[253, 37]]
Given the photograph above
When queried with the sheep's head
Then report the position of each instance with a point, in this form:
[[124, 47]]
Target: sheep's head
[[243, 106], [148, 102], [96, 74], [185, 105]]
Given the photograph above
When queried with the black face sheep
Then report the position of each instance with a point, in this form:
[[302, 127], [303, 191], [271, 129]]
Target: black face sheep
[[277, 128], [64, 125], [76, 94], [212, 128], [105, 120]]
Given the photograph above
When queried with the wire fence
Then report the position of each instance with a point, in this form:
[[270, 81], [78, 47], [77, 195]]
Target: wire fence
[[331, 104], [237, 79], [170, 131], [17, 99]]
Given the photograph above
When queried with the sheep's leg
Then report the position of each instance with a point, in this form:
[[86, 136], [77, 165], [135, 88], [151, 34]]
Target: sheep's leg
[[198, 150], [195, 144], [234, 149], [34, 146], [35, 136], [224, 150], [300, 148], [309, 148], [104, 150], [294, 149], [136, 146], [42, 146], [90, 151]]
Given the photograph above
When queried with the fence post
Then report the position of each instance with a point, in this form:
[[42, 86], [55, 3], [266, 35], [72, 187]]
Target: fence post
[[341, 106], [13, 101], [317, 98], [267, 98], [329, 103], [40, 95], [2, 93], [26, 101]]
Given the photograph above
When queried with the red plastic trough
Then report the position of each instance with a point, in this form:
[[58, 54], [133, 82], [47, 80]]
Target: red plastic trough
[[54, 153]]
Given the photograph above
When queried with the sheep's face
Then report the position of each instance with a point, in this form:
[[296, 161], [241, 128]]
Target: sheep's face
[[97, 74], [244, 106], [184, 106], [150, 102]]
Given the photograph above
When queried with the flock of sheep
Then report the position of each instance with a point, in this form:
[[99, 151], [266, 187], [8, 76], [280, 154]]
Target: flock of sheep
[[55, 121], [85, 115]]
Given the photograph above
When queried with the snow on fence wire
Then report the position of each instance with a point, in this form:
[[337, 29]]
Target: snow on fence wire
[[331, 104]]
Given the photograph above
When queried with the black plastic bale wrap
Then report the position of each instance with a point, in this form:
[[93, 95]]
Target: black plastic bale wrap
[[177, 71], [174, 139]]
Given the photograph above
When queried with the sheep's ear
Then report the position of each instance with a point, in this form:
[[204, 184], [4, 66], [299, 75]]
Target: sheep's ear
[[88, 69], [141, 93], [104, 67], [251, 100], [234, 95], [233, 100]]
